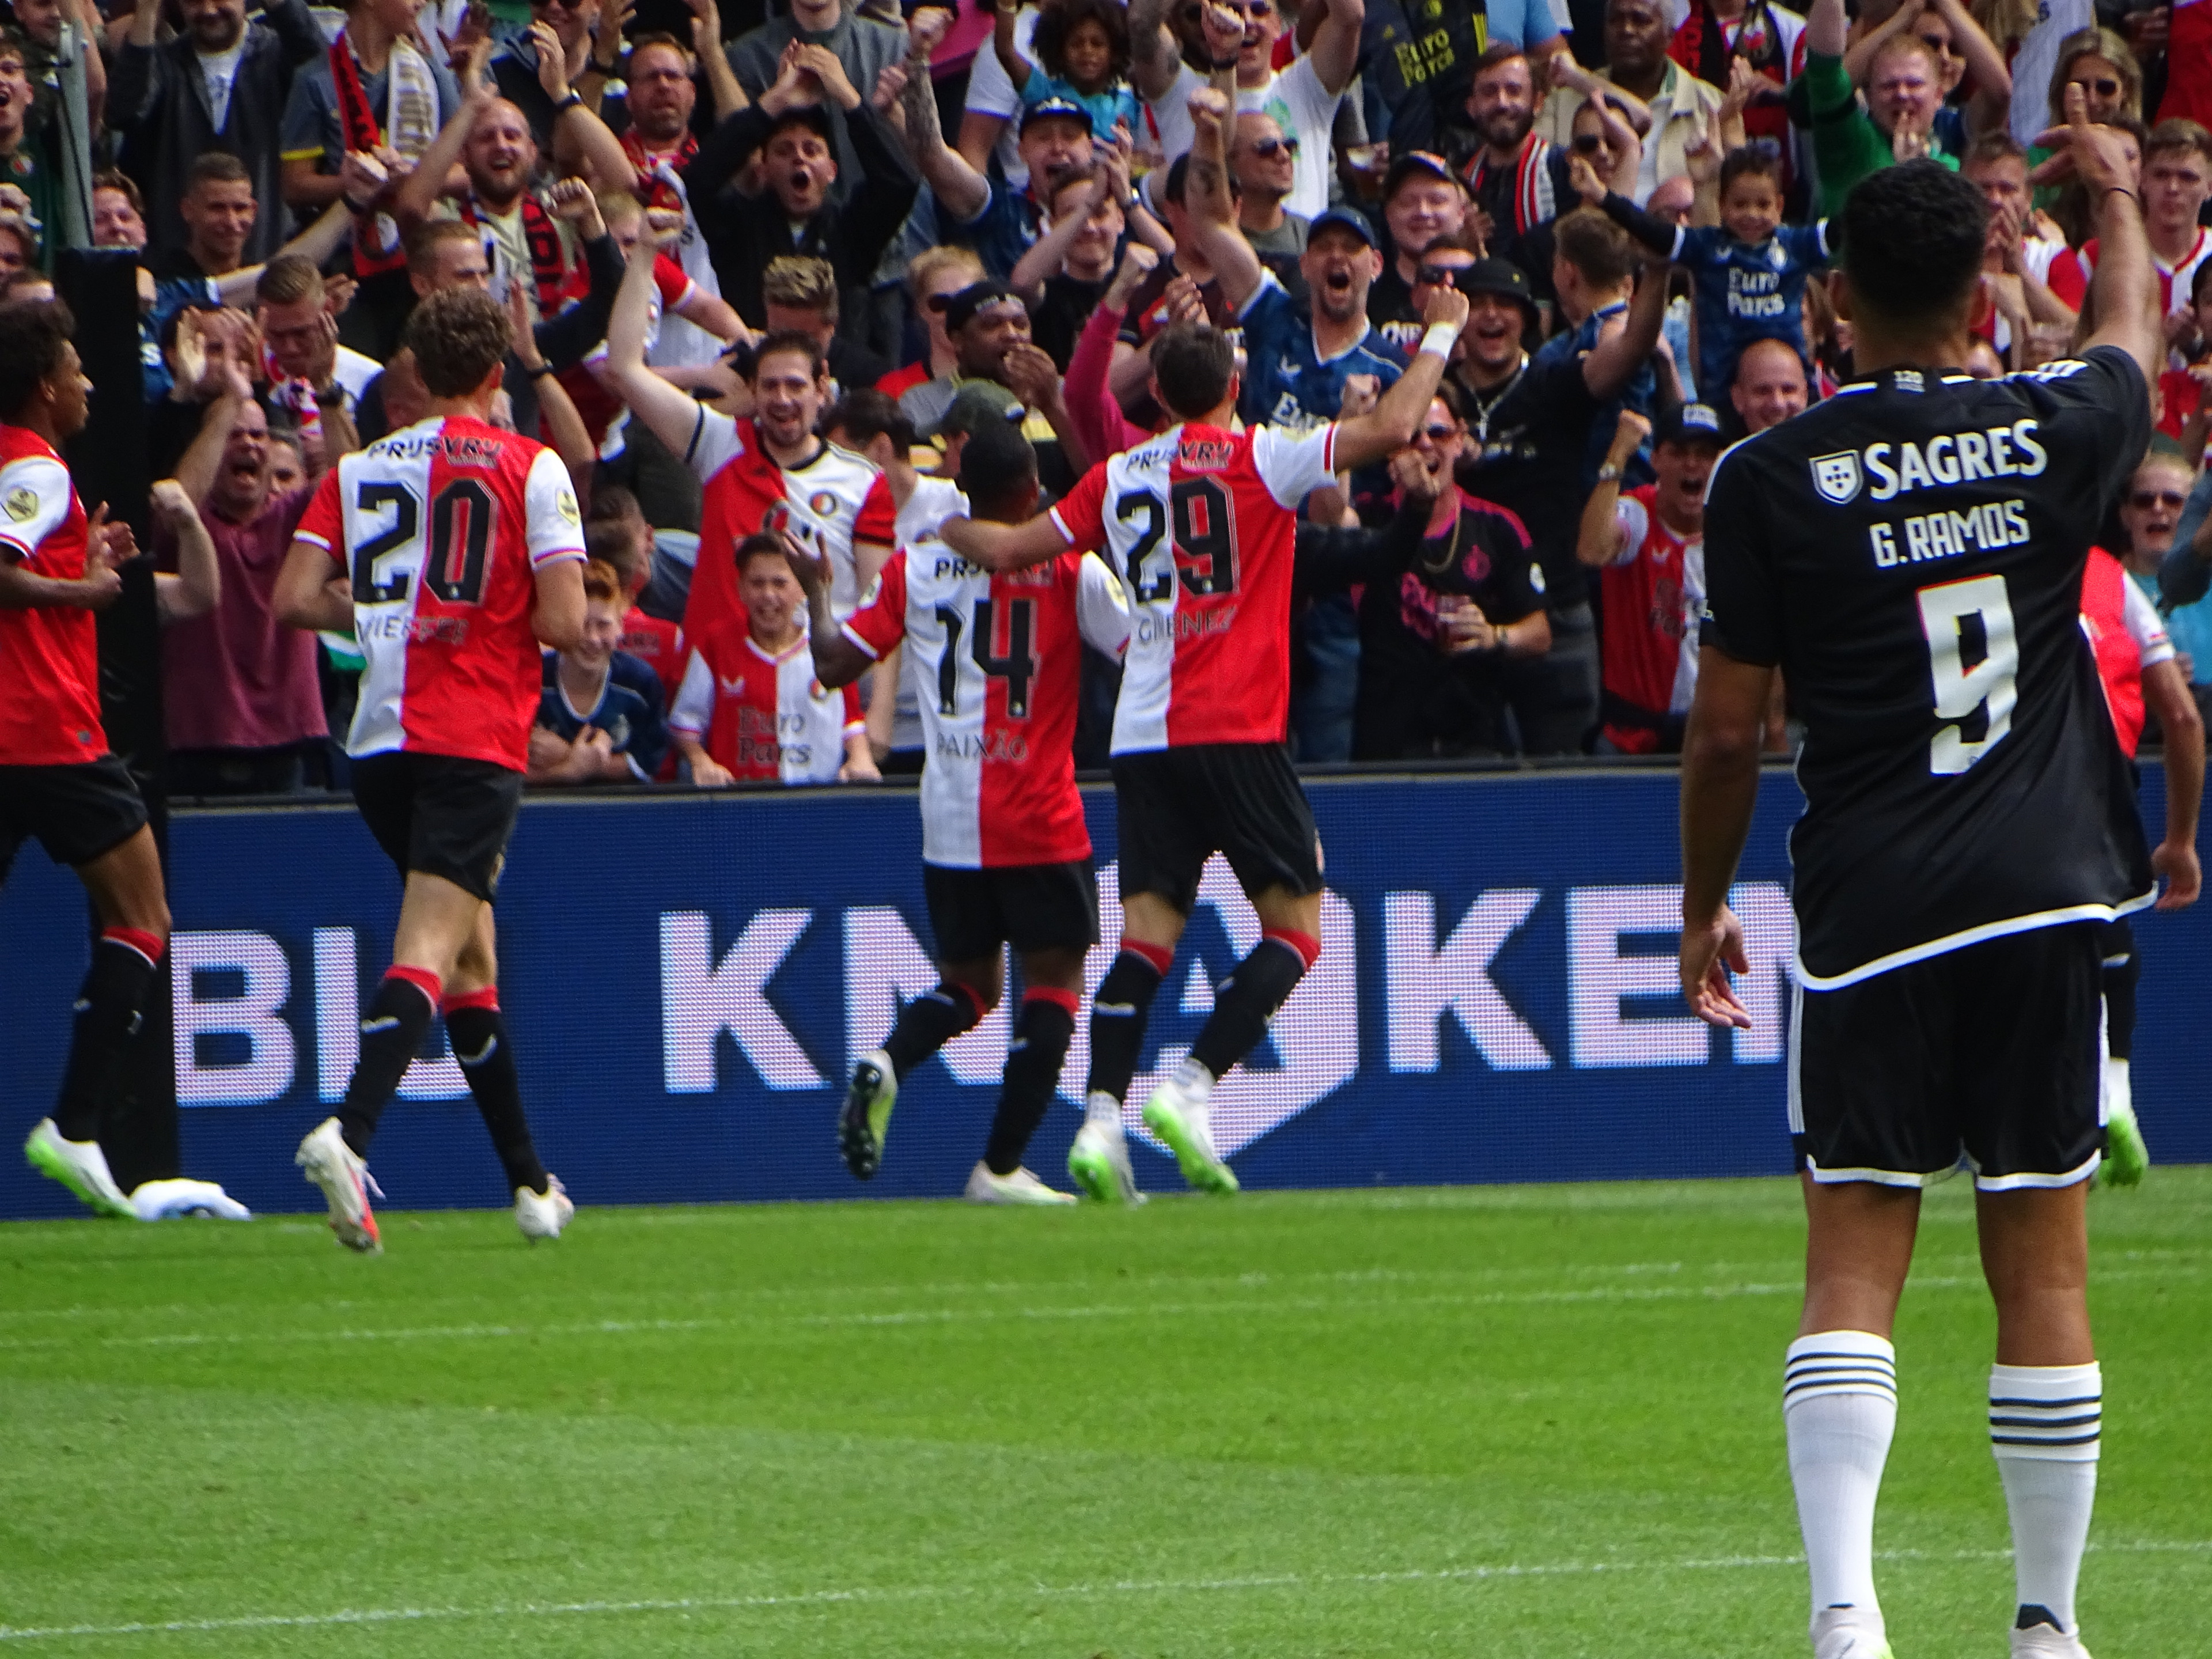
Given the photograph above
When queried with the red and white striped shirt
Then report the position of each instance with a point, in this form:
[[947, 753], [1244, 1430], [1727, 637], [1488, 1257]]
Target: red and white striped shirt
[[1201, 524], [2070, 274], [442, 527], [763, 715], [996, 660], [1654, 593], [48, 655]]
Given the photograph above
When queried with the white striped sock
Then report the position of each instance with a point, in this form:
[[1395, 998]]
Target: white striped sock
[[1839, 1408], [2045, 1427]]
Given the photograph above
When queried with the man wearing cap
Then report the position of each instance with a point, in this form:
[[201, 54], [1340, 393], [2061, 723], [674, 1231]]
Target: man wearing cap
[[1423, 200], [992, 356], [1649, 544], [800, 212], [1533, 419]]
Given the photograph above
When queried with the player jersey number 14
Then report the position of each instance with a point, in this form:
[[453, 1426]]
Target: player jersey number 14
[[1957, 616]]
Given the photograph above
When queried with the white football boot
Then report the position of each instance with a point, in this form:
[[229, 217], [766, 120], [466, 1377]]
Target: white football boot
[[541, 1215], [1019, 1188]]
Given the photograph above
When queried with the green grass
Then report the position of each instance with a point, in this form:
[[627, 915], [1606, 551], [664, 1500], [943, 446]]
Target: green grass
[[1536, 1421]]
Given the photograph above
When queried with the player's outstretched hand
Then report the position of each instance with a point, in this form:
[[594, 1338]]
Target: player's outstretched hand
[[1707, 955], [2185, 879], [2094, 154], [1447, 306]]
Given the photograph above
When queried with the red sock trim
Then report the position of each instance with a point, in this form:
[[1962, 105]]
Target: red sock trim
[[1058, 998], [149, 946], [973, 998], [487, 998], [421, 978], [1161, 958], [1307, 946]]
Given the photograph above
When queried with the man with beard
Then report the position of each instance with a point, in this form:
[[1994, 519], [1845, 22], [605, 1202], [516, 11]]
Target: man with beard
[[766, 473], [1518, 181], [220, 85], [1678, 102], [661, 149], [1263, 160], [240, 694], [798, 212], [1532, 418]]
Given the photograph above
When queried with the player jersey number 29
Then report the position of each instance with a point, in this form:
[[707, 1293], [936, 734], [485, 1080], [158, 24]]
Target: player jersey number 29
[[1203, 551], [1950, 614], [462, 520], [1017, 664]]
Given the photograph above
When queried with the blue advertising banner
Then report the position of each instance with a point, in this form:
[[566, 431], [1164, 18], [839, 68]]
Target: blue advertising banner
[[687, 977]]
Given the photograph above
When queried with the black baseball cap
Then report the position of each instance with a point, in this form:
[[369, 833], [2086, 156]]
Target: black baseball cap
[[1499, 276], [1349, 218], [977, 404], [1427, 163], [1056, 105], [959, 308], [1687, 423]]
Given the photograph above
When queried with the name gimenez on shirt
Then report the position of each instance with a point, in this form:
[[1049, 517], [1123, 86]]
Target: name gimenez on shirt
[[1183, 626]]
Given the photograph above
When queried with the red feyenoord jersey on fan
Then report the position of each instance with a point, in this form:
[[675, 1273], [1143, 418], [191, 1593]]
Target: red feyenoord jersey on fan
[[1654, 593], [2125, 630], [442, 527], [763, 714], [1200, 524], [2177, 282], [49, 656], [996, 661], [836, 499]]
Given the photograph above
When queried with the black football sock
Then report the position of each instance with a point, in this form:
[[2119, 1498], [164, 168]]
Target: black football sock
[[109, 1006], [1042, 1033], [1245, 1001], [478, 1033], [392, 1031], [1118, 1008], [929, 1022], [2122, 969]]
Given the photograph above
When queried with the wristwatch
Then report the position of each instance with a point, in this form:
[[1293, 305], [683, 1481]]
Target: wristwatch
[[1609, 473], [574, 100]]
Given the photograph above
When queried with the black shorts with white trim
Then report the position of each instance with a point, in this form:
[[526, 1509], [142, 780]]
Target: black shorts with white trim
[[1986, 1054]]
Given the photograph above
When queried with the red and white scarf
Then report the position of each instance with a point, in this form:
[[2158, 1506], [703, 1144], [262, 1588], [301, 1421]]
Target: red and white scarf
[[410, 127]]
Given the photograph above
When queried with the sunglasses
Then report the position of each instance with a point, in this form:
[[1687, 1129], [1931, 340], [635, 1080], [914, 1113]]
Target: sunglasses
[[1437, 275], [2100, 87], [1440, 435], [1589, 143], [2143, 500], [1265, 149]]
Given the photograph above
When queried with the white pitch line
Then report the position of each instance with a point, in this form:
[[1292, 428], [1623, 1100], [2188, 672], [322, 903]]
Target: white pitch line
[[979, 1592]]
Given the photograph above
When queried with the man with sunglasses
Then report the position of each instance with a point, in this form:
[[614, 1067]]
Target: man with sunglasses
[[1263, 160]]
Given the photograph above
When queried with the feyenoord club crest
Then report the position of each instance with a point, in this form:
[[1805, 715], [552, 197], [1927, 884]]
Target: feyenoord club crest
[[1837, 476]]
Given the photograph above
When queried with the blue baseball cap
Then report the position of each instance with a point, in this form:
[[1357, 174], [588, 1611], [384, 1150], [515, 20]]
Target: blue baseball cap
[[1349, 218], [1056, 105]]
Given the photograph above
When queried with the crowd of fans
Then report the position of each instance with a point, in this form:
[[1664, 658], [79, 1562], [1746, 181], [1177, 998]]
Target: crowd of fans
[[943, 218]]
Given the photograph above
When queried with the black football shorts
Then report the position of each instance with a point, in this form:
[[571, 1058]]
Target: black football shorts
[[1177, 807], [1031, 907], [440, 814], [77, 812], [1989, 1052]]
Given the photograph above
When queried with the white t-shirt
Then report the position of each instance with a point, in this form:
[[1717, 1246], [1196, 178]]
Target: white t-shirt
[[221, 69], [991, 91], [2037, 60]]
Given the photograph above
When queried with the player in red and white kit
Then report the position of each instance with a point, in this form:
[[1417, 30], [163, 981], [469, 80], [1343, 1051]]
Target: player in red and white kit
[[1649, 543], [1005, 852], [766, 473], [749, 708], [58, 780], [2136, 662], [1200, 522], [452, 550]]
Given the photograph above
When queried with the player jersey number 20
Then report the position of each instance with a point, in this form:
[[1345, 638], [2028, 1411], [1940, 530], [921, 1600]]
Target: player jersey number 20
[[1957, 617], [1202, 551], [462, 519]]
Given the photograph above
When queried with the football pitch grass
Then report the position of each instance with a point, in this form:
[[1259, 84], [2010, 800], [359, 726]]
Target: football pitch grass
[[1524, 1421]]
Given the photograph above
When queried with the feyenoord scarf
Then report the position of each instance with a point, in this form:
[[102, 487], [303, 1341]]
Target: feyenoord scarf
[[549, 259], [410, 126], [1532, 195], [658, 181]]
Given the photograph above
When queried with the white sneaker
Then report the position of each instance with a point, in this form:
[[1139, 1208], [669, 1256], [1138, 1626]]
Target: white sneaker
[[1180, 1113], [79, 1166], [543, 1215], [1098, 1163], [2046, 1641], [335, 1167], [1019, 1188], [1848, 1633]]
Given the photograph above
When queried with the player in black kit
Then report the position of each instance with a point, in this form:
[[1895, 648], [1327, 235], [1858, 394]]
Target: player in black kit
[[1910, 556]]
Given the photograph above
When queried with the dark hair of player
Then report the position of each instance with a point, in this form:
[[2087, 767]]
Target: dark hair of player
[[32, 333], [761, 546], [1753, 159], [1193, 362], [998, 470], [1913, 236], [1595, 246], [613, 502], [865, 414], [784, 339], [459, 336]]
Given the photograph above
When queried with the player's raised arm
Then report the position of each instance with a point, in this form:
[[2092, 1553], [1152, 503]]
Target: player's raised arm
[[670, 412], [1389, 425], [1006, 546], [837, 660], [2126, 294]]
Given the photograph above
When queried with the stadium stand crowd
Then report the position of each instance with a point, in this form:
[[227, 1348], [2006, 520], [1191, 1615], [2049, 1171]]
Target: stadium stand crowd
[[878, 232]]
